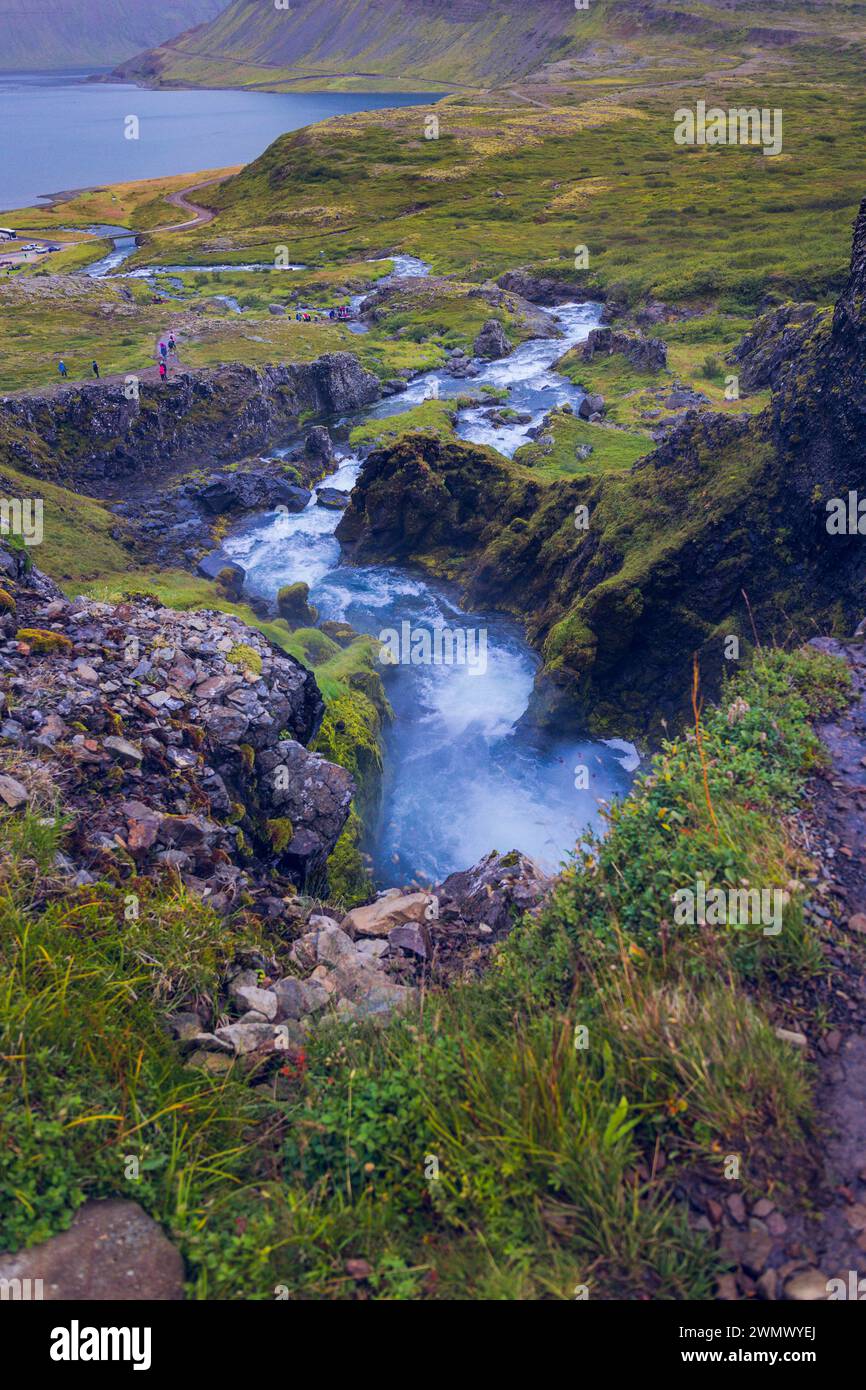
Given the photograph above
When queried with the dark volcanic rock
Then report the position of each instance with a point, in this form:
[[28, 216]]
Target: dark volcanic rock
[[217, 563], [341, 383], [773, 345], [251, 491], [492, 341], [313, 794], [646, 354], [332, 497], [318, 447], [94, 433], [590, 407], [545, 290]]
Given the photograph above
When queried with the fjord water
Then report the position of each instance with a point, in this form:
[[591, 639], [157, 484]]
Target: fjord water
[[464, 773], [69, 133]]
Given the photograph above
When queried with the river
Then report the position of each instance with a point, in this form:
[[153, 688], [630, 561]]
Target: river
[[70, 133], [464, 773]]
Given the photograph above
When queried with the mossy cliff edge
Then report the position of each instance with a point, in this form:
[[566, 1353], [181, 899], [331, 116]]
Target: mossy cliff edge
[[81, 435], [721, 532]]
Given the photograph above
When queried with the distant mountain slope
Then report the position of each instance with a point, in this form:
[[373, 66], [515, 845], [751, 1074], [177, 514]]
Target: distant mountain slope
[[475, 43], [439, 39], [36, 35]]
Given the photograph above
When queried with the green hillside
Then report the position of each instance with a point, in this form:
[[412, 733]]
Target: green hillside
[[439, 44]]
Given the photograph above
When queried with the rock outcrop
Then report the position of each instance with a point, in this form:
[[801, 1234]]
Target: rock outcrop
[[174, 740], [492, 341], [541, 289], [83, 435], [768, 351], [645, 354], [250, 490], [591, 407]]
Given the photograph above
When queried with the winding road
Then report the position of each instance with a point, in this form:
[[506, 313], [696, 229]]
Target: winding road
[[179, 199]]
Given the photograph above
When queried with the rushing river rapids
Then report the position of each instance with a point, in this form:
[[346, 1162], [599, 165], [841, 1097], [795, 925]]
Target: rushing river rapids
[[463, 773]]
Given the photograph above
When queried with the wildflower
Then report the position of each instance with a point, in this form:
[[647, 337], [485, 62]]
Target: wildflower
[[737, 710]]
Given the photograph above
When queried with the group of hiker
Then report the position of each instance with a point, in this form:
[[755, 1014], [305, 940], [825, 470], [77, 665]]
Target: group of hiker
[[341, 313], [166, 350], [64, 370]]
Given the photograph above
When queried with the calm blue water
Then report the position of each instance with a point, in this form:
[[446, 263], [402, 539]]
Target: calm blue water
[[70, 134]]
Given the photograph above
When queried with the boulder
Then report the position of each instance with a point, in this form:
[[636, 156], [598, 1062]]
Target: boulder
[[411, 937], [247, 1037], [341, 633], [589, 406], [294, 607], [213, 565], [494, 892], [342, 384], [363, 993], [389, 911], [313, 795], [333, 498], [492, 341], [113, 1251], [297, 999], [263, 1001], [318, 446], [334, 947], [251, 490]]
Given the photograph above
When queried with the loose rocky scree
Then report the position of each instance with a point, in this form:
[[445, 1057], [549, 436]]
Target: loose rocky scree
[[174, 743]]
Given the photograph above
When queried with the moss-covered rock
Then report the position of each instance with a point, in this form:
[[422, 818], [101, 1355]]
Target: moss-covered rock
[[349, 735], [280, 833], [246, 657], [230, 581], [294, 607], [43, 642], [349, 880]]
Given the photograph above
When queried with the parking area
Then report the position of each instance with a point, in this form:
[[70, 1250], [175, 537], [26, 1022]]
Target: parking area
[[25, 248]]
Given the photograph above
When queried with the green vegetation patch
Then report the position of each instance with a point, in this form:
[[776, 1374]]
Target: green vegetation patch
[[499, 1144], [572, 448], [432, 417]]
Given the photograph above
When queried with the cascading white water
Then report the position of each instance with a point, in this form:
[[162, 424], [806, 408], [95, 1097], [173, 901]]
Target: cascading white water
[[463, 774]]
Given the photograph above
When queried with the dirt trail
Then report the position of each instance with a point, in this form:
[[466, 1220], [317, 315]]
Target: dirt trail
[[835, 1232]]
